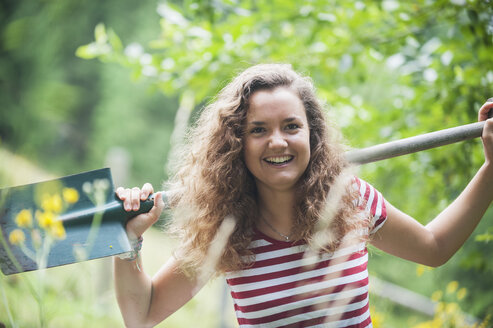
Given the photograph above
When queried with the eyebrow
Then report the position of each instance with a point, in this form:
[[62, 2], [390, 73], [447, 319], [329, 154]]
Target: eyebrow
[[286, 120]]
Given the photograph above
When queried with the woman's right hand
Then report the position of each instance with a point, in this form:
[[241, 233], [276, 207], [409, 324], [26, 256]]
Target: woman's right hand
[[131, 202]]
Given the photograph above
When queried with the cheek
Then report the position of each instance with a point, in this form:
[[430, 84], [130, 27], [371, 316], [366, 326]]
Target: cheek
[[307, 150], [248, 154], [304, 142]]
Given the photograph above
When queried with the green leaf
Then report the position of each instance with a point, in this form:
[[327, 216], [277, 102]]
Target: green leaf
[[86, 51], [485, 237], [100, 33], [115, 41]]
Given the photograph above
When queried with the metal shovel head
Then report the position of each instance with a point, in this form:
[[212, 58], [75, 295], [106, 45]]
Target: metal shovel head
[[89, 231]]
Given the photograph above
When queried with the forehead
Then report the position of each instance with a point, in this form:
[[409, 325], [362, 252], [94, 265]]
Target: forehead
[[281, 101]]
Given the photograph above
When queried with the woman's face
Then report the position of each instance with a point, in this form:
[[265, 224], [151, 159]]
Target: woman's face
[[277, 139]]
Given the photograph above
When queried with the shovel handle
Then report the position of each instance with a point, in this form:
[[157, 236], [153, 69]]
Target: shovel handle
[[404, 146], [415, 144], [111, 211]]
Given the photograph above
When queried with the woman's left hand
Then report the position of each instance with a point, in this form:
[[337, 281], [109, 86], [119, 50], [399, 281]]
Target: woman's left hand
[[487, 136]]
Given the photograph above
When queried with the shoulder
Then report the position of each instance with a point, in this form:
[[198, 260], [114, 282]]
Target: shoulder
[[371, 201]]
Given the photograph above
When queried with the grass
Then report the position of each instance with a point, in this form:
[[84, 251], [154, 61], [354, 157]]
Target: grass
[[70, 298]]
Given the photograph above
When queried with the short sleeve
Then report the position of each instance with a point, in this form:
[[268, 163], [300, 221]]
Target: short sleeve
[[372, 201]]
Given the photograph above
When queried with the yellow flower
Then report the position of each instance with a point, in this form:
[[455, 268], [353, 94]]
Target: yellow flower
[[58, 230], [70, 195], [420, 269], [452, 287], [17, 237], [377, 318], [437, 322], [461, 293], [485, 322], [46, 219], [437, 295], [24, 219], [52, 203], [427, 324], [451, 308]]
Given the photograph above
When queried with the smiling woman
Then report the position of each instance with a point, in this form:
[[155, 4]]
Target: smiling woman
[[264, 197], [277, 139]]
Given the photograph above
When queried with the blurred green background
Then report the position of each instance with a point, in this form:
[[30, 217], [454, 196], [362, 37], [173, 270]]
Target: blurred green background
[[87, 84]]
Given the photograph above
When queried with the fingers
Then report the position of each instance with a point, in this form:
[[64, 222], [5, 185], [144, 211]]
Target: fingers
[[138, 225], [488, 126], [485, 109], [487, 137], [158, 207], [147, 189], [153, 215], [120, 192], [488, 129], [125, 194], [135, 198], [132, 197]]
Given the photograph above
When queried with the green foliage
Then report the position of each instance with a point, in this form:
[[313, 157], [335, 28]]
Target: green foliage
[[487, 236], [448, 311], [69, 299], [82, 295], [66, 113], [387, 70]]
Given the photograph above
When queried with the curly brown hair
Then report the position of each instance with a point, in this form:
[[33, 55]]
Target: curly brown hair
[[213, 182]]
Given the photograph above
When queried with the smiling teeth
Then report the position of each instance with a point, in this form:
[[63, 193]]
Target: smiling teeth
[[278, 159]]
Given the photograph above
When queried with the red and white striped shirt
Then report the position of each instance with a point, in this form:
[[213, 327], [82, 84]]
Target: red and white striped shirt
[[286, 288]]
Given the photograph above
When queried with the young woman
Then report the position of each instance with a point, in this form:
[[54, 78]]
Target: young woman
[[263, 162]]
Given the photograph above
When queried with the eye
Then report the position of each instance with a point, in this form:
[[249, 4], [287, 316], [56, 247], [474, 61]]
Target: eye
[[292, 126], [257, 130]]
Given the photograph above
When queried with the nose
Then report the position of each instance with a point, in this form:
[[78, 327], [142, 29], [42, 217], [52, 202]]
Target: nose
[[277, 140]]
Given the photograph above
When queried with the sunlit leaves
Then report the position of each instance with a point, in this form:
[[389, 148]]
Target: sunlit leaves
[[395, 68], [386, 69]]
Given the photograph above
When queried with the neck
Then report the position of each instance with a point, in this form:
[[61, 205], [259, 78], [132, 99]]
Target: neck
[[276, 207]]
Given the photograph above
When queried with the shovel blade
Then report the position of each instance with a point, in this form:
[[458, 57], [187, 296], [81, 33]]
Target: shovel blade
[[111, 240], [83, 239]]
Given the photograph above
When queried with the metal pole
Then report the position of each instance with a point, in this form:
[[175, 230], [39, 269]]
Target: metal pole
[[415, 144], [410, 145]]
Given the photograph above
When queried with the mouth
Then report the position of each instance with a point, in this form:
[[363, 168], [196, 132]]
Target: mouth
[[279, 160]]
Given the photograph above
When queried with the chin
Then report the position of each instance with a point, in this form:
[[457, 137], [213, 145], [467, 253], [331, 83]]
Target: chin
[[282, 185]]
